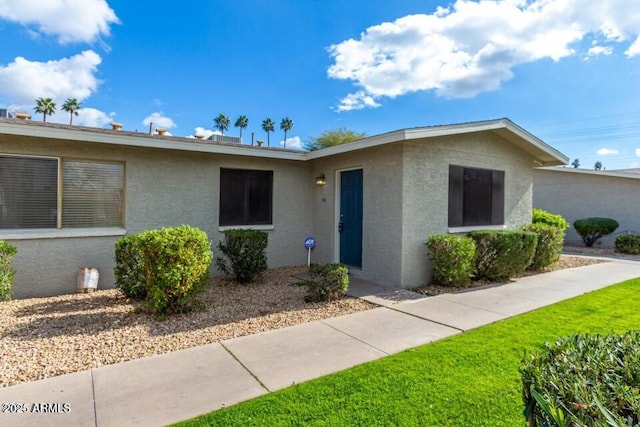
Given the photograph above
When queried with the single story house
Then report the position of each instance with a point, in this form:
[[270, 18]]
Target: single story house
[[68, 192], [581, 193]]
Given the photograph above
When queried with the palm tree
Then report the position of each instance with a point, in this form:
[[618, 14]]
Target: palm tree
[[242, 123], [71, 106], [222, 123], [45, 106], [286, 125], [268, 126]]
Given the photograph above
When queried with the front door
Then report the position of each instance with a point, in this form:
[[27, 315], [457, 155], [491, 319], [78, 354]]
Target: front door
[[350, 223]]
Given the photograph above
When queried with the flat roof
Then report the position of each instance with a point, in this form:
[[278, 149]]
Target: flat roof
[[612, 173], [544, 154]]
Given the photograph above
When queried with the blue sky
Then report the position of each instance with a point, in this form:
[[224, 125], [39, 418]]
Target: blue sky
[[566, 70]]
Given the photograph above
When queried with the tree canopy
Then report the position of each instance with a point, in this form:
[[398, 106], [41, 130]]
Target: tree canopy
[[221, 123], [71, 106], [329, 138], [46, 107]]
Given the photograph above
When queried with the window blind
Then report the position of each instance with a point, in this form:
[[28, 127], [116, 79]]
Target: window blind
[[92, 194], [28, 192]]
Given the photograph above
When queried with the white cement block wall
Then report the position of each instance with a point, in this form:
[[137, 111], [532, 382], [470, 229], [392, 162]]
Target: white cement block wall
[[581, 194], [382, 210], [426, 190], [163, 188]]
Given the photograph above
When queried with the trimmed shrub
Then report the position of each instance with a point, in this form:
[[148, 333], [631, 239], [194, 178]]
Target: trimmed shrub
[[628, 244], [503, 254], [329, 281], [592, 229], [245, 252], [7, 251], [585, 380], [540, 216], [549, 247], [171, 265], [453, 259], [129, 270]]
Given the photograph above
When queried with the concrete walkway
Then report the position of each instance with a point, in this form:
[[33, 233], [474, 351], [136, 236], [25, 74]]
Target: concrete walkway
[[176, 386]]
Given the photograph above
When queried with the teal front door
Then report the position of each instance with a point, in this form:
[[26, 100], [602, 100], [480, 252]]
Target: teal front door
[[350, 223]]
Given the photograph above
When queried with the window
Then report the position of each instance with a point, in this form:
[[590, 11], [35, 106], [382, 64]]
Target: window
[[28, 192], [476, 197], [30, 188], [245, 197], [92, 194]]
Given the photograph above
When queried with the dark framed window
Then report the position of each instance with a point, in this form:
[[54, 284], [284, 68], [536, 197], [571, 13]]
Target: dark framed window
[[476, 197], [92, 193], [246, 197]]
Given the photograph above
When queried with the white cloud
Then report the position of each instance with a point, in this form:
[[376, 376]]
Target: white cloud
[[294, 142], [357, 101], [93, 117], [472, 46], [159, 120], [638, 152], [22, 81], [634, 49], [67, 20], [598, 50], [206, 133], [607, 151]]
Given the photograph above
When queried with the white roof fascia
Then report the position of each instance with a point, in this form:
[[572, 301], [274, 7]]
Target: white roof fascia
[[372, 141], [591, 172], [534, 140], [146, 141], [435, 131]]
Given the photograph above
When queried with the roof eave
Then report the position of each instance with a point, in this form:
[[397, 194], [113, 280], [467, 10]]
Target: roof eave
[[146, 141]]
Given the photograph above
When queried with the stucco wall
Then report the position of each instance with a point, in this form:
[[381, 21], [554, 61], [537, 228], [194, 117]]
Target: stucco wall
[[382, 210], [163, 188], [576, 195], [426, 190]]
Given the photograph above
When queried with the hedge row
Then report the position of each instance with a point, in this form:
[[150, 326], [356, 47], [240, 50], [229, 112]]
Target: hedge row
[[497, 255]]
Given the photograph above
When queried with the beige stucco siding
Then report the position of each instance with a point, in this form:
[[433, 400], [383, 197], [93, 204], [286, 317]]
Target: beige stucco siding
[[576, 195], [426, 184], [163, 188], [382, 210]]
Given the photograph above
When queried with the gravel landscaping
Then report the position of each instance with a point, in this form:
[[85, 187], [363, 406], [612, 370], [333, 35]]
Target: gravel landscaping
[[46, 337]]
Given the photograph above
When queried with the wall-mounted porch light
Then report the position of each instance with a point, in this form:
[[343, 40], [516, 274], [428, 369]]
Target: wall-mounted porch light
[[321, 180]]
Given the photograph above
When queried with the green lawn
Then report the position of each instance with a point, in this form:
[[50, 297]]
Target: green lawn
[[467, 380]]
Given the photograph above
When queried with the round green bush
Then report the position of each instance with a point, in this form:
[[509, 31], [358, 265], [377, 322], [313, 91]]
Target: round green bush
[[549, 247], [245, 254], [628, 244], [7, 251], [540, 216], [453, 259], [170, 267], [503, 254], [592, 229], [587, 380]]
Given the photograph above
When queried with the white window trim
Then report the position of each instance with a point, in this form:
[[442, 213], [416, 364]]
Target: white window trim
[[267, 227], [454, 230], [64, 233]]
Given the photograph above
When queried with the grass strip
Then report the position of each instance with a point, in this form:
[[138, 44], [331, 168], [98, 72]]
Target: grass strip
[[470, 379]]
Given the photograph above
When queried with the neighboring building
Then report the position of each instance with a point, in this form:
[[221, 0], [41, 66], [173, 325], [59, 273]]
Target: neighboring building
[[67, 193], [4, 113], [583, 193]]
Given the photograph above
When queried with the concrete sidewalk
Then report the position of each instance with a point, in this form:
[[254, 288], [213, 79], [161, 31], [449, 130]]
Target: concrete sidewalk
[[176, 386]]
